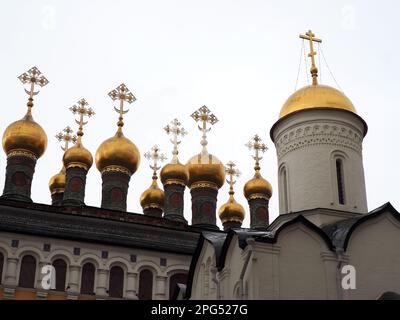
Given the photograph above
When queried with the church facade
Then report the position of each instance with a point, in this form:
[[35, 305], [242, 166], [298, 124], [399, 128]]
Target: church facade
[[325, 244]]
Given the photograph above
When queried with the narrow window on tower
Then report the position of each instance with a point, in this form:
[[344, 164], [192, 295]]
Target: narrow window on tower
[[285, 197], [340, 181]]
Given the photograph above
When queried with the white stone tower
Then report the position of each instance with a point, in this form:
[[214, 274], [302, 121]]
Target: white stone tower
[[318, 139]]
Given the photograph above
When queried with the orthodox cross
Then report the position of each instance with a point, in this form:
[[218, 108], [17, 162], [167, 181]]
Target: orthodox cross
[[66, 137], [205, 116], [155, 155], [311, 38], [33, 77], [232, 172], [175, 129], [257, 145], [82, 110], [122, 94]]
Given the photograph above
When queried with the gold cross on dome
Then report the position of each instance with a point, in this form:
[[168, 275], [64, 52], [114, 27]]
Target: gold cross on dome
[[205, 116], [232, 172], [33, 77], [257, 145], [82, 111], [66, 137], [123, 94], [155, 155], [310, 36], [175, 129]]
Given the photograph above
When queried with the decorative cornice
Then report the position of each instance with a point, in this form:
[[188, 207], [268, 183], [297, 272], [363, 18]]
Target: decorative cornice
[[21, 153], [119, 169], [153, 206], [97, 229], [77, 165], [204, 184], [257, 196], [306, 135], [174, 181], [57, 190]]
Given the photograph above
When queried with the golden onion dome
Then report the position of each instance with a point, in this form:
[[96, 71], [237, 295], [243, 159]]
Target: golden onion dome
[[205, 168], [257, 187], [78, 156], [231, 211], [25, 135], [314, 97], [57, 182], [153, 197], [174, 173], [118, 151]]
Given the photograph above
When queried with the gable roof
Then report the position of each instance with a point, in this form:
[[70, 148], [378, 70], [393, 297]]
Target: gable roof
[[341, 232]]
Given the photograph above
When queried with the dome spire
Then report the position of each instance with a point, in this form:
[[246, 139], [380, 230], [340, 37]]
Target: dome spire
[[35, 78], [258, 191], [77, 160], [205, 116], [57, 182], [152, 199], [24, 142], [82, 110], [257, 145], [122, 94], [310, 36], [174, 176], [156, 157], [231, 213], [67, 137], [117, 158], [175, 129], [232, 172]]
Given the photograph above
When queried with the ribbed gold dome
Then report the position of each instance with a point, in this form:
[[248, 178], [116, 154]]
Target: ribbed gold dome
[[174, 173], [57, 182], [118, 151], [153, 197], [231, 211], [25, 135], [206, 168], [78, 156], [257, 187], [314, 97]]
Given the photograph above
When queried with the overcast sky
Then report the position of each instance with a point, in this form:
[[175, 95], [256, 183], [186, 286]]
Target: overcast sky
[[238, 57]]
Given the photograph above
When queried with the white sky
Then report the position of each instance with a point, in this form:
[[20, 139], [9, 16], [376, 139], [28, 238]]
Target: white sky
[[238, 57]]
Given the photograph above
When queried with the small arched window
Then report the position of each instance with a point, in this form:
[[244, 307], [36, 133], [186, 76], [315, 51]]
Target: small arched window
[[27, 272], [146, 285], [116, 284], [340, 181], [174, 280], [61, 274], [87, 279], [1, 265]]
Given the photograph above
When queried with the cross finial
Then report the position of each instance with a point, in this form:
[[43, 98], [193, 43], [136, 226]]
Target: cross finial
[[175, 129], [157, 157], [310, 36], [205, 116], [33, 77], [82, 110], [66, 137], [122, 94], [257, 145], [232, 172]]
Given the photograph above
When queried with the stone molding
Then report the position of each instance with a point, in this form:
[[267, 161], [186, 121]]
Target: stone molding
[[309, 134]]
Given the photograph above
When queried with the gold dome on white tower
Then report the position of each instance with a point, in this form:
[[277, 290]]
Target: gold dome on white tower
[[316, 96]]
